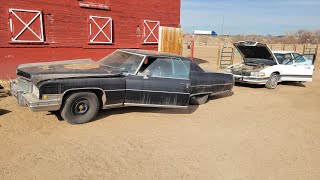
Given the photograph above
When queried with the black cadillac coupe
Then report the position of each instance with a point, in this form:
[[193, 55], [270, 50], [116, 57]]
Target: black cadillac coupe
[[78, 89]]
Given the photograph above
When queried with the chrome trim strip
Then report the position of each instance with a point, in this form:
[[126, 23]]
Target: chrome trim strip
[[212, 85], [157, 91], [153, 105], [104, 97], [113, 106], [138, 68], [187, 79], [114, 90]]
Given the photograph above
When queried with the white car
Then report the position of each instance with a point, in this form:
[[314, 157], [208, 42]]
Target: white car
[[262, 66]]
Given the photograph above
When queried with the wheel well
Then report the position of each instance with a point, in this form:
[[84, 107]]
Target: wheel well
[[278, 74], [98, 92]]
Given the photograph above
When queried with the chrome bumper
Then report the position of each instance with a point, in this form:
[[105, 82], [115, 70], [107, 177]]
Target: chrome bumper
[[251, 80], [35, 104]]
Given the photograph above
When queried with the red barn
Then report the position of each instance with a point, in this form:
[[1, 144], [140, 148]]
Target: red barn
[[37, 30]]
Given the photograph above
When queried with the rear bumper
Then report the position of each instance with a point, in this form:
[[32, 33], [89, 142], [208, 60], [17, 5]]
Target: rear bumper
[[251, 80], [35, 104]]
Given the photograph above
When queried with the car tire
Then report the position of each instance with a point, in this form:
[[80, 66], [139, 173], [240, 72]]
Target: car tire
[[80, 108], [273, 81], [198, 100]]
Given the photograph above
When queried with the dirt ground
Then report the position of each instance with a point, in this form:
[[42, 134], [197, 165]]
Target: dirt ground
[[254, 133]]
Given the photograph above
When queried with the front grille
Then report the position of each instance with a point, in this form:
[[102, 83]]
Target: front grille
[[241, 73]]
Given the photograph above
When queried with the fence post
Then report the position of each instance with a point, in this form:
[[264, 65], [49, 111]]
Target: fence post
[[218, 59], [192, 48]]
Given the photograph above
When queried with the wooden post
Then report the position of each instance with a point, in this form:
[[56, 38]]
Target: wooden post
[[192, 48], [218, 59], [232, 56]]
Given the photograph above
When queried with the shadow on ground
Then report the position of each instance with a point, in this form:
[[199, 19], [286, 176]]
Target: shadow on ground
[[256, 86], [296, 84], [109, 112], [4, 111], [4, 94], [219, 96], [123, 110]]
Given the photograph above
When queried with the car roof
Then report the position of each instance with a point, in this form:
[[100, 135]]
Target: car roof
[[152, 53], [284, 52]]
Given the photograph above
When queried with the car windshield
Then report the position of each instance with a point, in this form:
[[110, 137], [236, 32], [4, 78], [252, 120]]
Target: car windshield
[[123, 60], [280, 57]]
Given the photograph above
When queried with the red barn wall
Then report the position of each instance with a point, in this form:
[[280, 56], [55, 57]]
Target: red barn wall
[[66, 29]]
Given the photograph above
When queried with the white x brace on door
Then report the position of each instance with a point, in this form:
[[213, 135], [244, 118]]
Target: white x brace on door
[[100, 30], [151, 32], [26, 25]]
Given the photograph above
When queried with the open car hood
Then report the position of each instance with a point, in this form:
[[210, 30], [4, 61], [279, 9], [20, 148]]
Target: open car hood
[[253, 51], [68, 68]]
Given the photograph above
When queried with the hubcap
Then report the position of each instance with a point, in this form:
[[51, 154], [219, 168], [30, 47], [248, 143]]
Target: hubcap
[[274, 81], [80, 106]]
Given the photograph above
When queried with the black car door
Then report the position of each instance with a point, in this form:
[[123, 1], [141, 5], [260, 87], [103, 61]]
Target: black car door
[[159, 85]]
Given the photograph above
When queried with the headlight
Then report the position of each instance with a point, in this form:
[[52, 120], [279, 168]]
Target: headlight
[[35, 91], [254, 74], [258, 74], [228, 70], [262, 74]]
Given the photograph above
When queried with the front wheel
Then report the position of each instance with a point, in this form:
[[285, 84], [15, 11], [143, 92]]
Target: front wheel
[[273, 81], [80, 108]]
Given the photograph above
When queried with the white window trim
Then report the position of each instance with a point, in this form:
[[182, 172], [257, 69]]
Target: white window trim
[[26, 25], [151, 32], [92, 40]]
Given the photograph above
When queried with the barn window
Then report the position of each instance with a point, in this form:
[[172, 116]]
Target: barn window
[[26, 25], [151, 32], [100, 30]]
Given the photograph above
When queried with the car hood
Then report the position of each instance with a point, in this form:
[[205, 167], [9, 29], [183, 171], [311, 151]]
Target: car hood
[[65, 69], [252, 52]]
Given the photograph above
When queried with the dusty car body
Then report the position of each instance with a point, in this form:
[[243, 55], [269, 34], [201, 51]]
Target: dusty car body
[[262, 66], [79, 88]]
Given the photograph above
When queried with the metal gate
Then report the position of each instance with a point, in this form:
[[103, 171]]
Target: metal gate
[[226, 57]]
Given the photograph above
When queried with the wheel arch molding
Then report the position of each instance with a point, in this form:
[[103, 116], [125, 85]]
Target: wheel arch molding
[[100, 93]]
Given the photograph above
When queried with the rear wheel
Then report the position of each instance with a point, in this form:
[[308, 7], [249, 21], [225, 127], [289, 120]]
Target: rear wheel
[[273, 81], [80, 108], [198, 100]]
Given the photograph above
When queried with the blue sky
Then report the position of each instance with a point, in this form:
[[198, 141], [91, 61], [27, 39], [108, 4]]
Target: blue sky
[[250, 16]]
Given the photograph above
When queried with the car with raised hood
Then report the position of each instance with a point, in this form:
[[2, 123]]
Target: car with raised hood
[[78, 89], [262, 66]]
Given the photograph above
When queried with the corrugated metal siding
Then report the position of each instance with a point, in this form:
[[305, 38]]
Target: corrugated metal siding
[[66, 29]]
